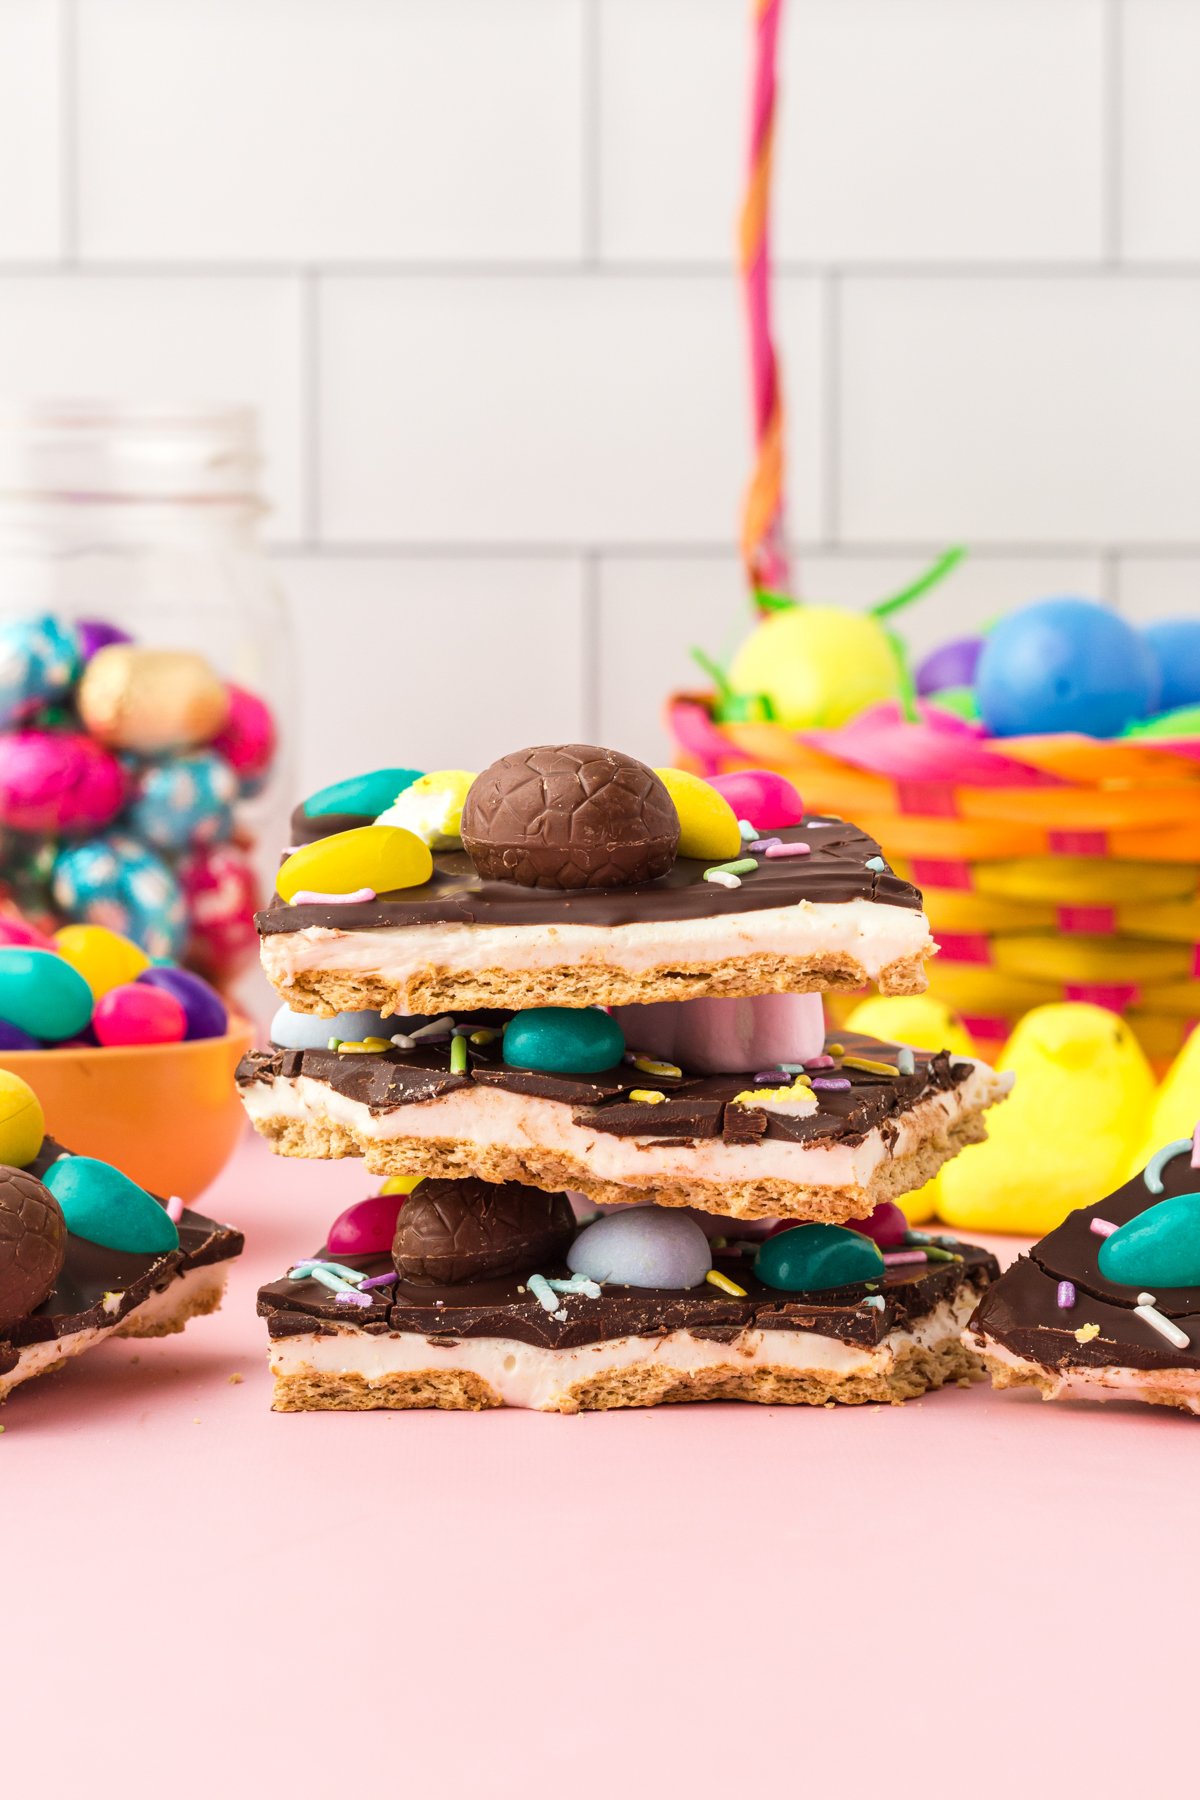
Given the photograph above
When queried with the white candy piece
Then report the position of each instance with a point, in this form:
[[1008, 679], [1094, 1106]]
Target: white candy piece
[[727, 1037], [642, 1247], [305, 1031]]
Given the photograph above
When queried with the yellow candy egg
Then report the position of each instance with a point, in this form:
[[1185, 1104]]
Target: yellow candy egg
[[104, 958], [708, 827], [22, 1122], [401, 1184], [431, 808], [378, 857]]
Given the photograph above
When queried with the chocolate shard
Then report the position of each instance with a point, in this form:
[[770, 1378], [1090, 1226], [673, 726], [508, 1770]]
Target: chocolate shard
[[456, 1231]]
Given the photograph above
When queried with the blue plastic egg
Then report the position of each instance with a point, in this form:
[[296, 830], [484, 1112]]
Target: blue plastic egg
[[1065, 665], [116, 881], [184, 801], [39, 660], [304, 1031], [1175, 644]]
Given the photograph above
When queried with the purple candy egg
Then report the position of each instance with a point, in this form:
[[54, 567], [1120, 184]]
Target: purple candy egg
[[13, 1038], [202, 1006], [98, 634], [951, 665]]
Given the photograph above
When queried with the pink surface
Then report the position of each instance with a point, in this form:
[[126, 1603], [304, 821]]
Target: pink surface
[[205, 1598]]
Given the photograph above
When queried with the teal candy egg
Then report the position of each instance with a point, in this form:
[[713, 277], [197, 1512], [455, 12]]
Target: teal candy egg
[[1158, 1249], [368, 794], [810, 1258], [563, 1040], [105, 1207], [42, 994]]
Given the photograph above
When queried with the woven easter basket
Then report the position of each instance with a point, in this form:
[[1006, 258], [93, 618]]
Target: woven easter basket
[[1053, 868]]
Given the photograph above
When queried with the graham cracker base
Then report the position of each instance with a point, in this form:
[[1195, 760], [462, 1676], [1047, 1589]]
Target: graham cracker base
[[554, 1171], [917, 1370], [1030, 1375], [197, 1305], [437, 990]]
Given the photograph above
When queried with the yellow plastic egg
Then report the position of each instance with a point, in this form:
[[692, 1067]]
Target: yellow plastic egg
[[708, 827], [378, 857], [401, 1184], [431, 808], [22, 1121], [104, 958], [818, 665]]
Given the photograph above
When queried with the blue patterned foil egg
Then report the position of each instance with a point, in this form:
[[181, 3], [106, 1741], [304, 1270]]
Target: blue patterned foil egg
[[116, 881], [185, 801], [39, 661]]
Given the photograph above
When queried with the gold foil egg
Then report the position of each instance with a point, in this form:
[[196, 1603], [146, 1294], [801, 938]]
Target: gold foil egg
[[148, 701]]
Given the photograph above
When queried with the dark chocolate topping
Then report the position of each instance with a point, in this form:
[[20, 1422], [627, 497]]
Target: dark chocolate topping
[[449, 1232], [33, 1243], [835, 871]]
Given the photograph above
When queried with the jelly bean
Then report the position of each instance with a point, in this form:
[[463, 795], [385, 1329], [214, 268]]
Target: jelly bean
[[1160, 1248], [22, 1122], [42, 994], [563, 1040], [366, 796], [247, 739], [367, 1228], [185, 800], [104, 958], [58, 781], [761, 797], [431, 808], [136, 1014], [886, 1226], [643, 1247], [19, 931], [708, 825], [148, 701], [97, 634], [220, 892], [379, 857], [102, 1206], [727, 1037], [39, 660], [13, 1038], [809, 1259], [116, 881], [203, 1008], [304, 1031]]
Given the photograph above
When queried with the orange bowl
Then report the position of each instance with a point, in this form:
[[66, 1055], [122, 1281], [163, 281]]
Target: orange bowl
[[167, 1114]]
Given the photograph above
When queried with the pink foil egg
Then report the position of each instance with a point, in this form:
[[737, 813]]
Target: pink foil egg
[[247, 739], [887, 1225], [17, 931], [367, 1228], [765, 799], [135, 1014], [220, 893], [58, 782]]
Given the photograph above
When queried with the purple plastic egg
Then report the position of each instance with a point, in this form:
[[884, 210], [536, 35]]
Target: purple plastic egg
[[203, 1007], [98, 634], [367, 1228], [13, 1038], [58, 782], [951, 665]]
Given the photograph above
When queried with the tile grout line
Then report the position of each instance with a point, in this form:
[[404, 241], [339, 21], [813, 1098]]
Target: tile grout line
[[831, 409], [589, 141], [310, 405], [443, 269], [1113, 124], [68, 134], [846, 550]]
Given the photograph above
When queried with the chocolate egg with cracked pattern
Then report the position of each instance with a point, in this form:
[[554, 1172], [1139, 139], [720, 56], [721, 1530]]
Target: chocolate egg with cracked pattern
[[570, 816], [454, 1231], [33, 1244]]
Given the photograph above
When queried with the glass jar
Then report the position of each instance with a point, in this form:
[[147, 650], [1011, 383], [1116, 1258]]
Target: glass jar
[[145, 657]]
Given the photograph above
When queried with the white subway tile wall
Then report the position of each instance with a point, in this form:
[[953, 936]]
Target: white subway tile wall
[[473, 261]]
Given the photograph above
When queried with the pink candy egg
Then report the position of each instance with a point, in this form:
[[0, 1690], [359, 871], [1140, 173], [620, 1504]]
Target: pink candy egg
[[367, 1228], [247, 739], [135, 1014], [220, 893], [765, 799], [887, 1225], [57, 782]]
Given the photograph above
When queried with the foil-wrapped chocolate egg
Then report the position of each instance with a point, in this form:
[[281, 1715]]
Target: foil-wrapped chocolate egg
[[454, 1231], [33, 1244], [116, 881], [39, 659], [185, 800], [220, 893], [148, 701], [58, 782]]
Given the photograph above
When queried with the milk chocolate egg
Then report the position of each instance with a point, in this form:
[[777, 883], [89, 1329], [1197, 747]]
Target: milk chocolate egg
[[133, 698], [33, 1244], [453, 1231]]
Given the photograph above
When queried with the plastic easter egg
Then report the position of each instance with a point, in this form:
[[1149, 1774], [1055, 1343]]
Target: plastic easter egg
[[58, 782], [367, 1228], [304, 1031], [149, 701], [247, 738], [563, 1040], [104, 958], [761, 797], [1175, 644], [103, 1206], [116, 881], [42, 994], [708, 825], [184, 801], [810, 1259], [379, 857], [817, 665], [13, 1038], [951, 665], [642, 1247], [886, 1226], [366, 796], [220, 893], [39, 660], [1160, 1248], [137, 1014], [204, 1011], [431, 808], [22, 1122], [19, 931], [1065, 665], [1182, 722], [98, 634]]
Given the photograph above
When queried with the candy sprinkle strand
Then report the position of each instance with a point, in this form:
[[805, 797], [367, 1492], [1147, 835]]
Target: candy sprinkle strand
[[647, 1096], [174, 1208], [352, 1297], [836, 1049], [726, 1286], [377, 1281], [1066, 1295], [575, 1284], [876, 865], [742, 866], [309, 897], [875, 1300], [458, 1055], [894, 1259], [1102, 1227], [906, 1062], [749, 832], [370, 1046], [1158, 1162], [722, 878], [761, 846], [648, 1065], [868, 1065], [832, 1084], [1167, 1328], [543, 1293], [816, 1062], [782, 849]]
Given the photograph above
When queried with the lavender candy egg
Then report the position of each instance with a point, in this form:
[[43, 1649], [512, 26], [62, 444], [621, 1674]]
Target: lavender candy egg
[[203, 1007], [116, 881], [39, 661], [642, 1247], [184, 801], [305, 1031]]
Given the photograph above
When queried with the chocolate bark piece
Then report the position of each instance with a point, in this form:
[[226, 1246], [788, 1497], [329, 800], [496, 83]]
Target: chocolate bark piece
[[569, 816], [450, 1232], [33, 1244]]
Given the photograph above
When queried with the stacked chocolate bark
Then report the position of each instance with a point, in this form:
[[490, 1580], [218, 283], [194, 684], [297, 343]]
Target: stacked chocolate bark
[[580, 993]]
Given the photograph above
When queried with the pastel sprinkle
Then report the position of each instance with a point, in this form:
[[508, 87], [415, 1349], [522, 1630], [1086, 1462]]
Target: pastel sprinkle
[[543, 1293], [868, 1065], [726, 1286], [935, 1253], [175, 1208], [768, 1075], [327, 1279], [370, 1046], [1086, 1333], [485, 1035], [893, 1259], [352, 1297], [875, 1300], [649, 1066], [377, 1281], [1103, 1227], [818, 1062], [876, 864], [742, 866], [1165, 1327], [647, 1096], [833, 1084], [764, 846], [458, 1055], [1160, 1159], [789, 850], [906, 1062], [749, 832], [304, 1270], [310, 897], [722, 878], [333, 1043], [575, 1284], [1066, 1295]]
